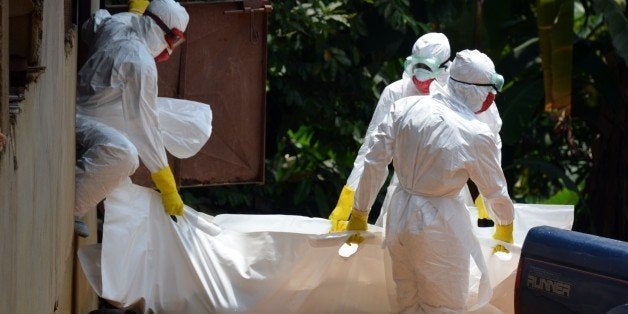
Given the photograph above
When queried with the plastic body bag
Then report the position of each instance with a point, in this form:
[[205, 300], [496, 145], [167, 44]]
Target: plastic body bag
[[263, 263], [185, 125]]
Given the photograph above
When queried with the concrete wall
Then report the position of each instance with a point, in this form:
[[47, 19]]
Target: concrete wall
[[37, 261]]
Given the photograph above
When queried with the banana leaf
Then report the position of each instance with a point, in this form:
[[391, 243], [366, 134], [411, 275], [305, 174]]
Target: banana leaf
[[555, 20], [617, 25], [517, 107]]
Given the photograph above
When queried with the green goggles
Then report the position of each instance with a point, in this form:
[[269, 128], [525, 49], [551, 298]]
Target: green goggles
[[497, 82], [423, 68]]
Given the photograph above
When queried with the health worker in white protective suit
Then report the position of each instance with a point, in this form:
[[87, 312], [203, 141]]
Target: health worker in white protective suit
[[116, 119], [436, 144], [428, 62]]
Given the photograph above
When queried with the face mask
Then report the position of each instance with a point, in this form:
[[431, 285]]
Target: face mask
[[490, 98], [423, 68], [422, 86], [174, 37], [163, 56]]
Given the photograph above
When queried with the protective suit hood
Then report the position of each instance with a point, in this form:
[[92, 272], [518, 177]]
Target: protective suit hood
[[172, 14], [434, 45], [429, 59], [444, 95], [469, 69]]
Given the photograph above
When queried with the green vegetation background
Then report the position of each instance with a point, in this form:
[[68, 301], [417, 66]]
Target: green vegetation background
[[328, 61]]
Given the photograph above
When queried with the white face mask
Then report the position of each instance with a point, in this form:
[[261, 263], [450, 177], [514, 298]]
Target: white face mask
[[153, 35]]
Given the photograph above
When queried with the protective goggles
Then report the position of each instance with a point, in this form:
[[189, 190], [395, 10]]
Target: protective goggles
[[174, 36], [497, 82], [423, 68]]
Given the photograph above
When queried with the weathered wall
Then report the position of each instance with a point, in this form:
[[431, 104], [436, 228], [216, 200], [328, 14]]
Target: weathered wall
[[37, 177]]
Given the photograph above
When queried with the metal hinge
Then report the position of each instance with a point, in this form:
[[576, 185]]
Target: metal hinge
[[250, 6], [14, 104]]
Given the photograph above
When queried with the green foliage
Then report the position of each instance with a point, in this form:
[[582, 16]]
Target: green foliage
[[617, 24], [563, 197], [549, 156]]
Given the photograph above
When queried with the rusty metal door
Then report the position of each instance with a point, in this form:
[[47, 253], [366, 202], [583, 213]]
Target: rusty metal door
[[223, 64]]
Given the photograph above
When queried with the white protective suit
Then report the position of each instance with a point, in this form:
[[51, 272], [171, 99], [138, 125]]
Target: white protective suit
[[117, 93], [436, 144], [430, 45]]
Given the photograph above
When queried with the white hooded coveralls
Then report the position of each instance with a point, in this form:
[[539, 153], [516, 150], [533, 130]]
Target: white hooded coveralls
[[433, 45], [116, 100], [429, 45], [435, 144]]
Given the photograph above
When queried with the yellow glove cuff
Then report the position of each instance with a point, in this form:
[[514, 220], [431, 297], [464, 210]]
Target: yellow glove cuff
[[344, 205], [358, 220], [479, 203], [164, 180], [503, 233], [173, 204], [360, 215], [138, 6]]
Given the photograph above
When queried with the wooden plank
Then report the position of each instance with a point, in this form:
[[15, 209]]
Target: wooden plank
[[37, 173], [84, 298]]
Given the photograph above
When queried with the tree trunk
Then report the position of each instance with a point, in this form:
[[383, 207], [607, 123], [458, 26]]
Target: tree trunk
[[606, 189], [555, 23]]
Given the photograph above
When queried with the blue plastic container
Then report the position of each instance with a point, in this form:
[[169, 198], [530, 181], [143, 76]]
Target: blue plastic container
[[562, 271]]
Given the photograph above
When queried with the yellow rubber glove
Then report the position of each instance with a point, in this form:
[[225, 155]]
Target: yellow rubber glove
[[484, 220], [138, 6], [358, 221], [340, 214], [164, 180], [502, 233]]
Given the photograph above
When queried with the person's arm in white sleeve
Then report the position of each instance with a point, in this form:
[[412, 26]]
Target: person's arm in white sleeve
[[340, 213], [487, 174], [485, 171], [383, 108], [379, 155], [139, 98], [491, 118]]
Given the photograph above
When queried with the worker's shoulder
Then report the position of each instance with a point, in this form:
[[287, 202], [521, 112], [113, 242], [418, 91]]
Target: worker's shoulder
[[399, 89], [394, 86], [465, 123], [134, 53], [405, 104], [471, 128]]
